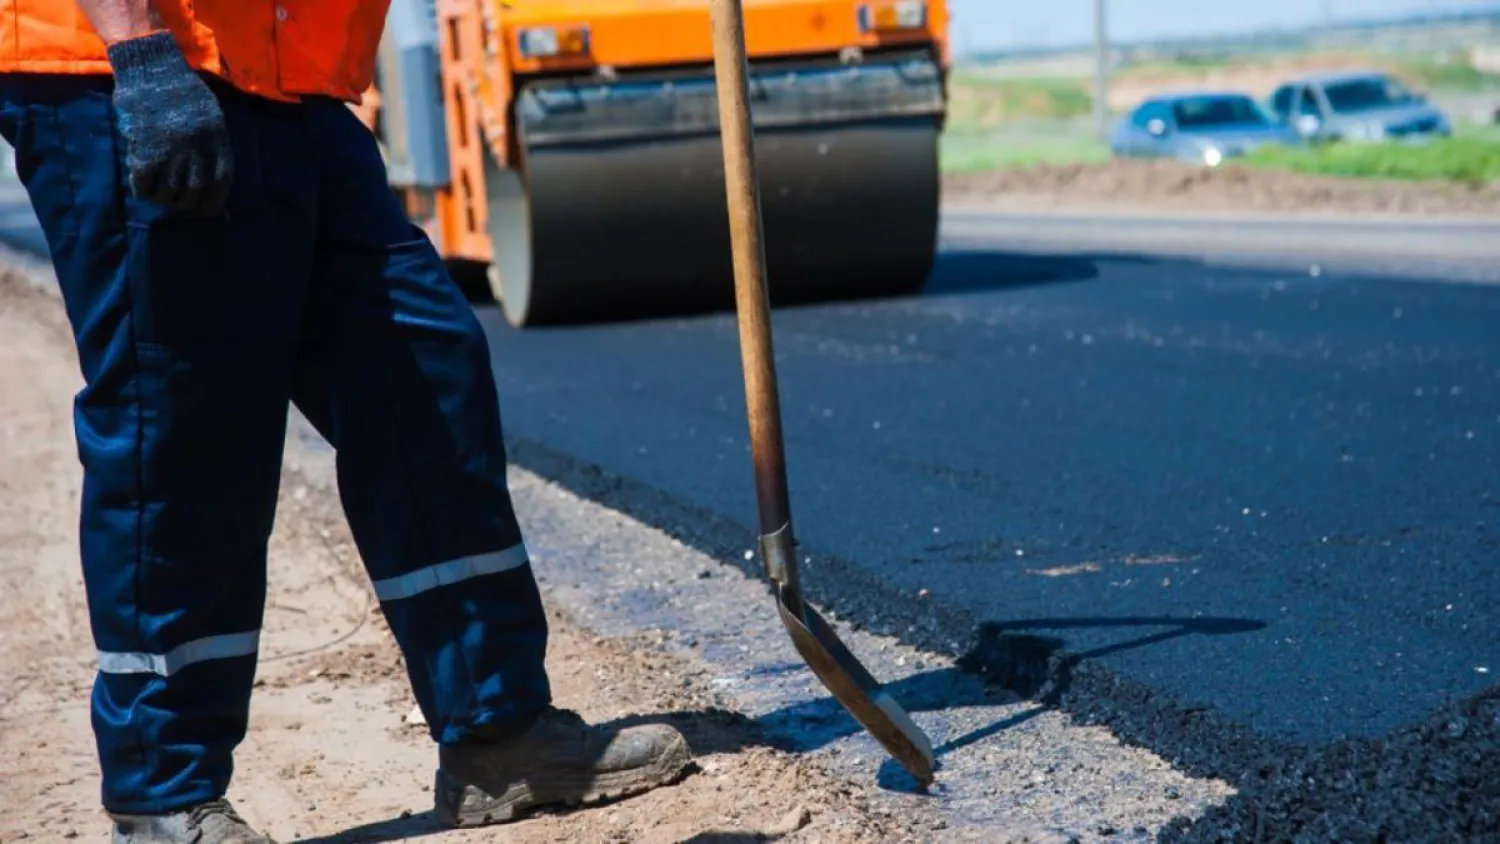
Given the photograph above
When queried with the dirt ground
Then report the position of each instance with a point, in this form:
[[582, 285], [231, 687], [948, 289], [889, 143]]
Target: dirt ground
[[331, 755], [1175, 187]]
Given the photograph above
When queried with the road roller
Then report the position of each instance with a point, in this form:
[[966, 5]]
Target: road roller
[[565, 157]]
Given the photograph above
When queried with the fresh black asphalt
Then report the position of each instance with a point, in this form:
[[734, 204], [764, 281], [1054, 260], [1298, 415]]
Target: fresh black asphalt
[[1269, 495], [1243, 513]]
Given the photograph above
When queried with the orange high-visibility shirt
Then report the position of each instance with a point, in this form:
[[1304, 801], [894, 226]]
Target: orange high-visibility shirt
[[282, 49]]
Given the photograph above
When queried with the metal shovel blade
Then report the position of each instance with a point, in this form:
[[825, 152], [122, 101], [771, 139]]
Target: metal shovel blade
[[849, 681]]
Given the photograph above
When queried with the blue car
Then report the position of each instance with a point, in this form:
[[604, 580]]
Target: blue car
[[1357, 106], [1206, 128]]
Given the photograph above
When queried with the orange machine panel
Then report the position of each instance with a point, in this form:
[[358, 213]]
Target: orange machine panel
[[625, 33], [461, 208], [481, 56]]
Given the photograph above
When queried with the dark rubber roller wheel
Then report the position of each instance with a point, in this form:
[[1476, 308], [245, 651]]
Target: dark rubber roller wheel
[[618, 230]]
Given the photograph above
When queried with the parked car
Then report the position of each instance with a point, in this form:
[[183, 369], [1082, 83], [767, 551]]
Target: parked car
[[1357, 106], [1202, 127]]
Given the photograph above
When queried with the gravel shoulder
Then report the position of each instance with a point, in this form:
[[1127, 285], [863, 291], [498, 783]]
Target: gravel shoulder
[[331, 754], [1171, 186]]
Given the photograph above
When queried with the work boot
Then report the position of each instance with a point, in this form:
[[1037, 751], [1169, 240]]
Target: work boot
[[214, 822], [558, 760]]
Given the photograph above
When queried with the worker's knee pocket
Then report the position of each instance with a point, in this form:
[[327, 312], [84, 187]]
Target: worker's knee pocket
[[423, 297], [220, 280], [168, 265]]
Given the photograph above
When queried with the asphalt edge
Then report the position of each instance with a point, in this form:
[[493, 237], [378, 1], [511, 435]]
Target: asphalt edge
[[1190, 738], [1283, 791]]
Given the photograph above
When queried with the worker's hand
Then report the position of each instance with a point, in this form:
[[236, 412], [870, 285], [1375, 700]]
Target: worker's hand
[[177, 144]]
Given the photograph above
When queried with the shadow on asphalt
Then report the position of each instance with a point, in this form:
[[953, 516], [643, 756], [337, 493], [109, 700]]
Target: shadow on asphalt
[[1038, 667], [956, 272], [1028, 666], [1008, 661], [1010, 666], [968, 271]]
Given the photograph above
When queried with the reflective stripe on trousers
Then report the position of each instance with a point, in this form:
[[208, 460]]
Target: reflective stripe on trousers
[[231, 645], [193, 336]]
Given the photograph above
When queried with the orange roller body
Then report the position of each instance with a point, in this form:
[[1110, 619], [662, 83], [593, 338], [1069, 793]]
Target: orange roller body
[[572, 166]]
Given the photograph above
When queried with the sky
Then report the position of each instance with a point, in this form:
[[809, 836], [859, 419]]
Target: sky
[[988, 24]]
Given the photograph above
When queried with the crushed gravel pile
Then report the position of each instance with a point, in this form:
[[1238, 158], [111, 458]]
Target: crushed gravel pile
[[1437, 781]]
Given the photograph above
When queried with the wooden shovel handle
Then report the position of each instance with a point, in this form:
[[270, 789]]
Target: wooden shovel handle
[[752, 301]]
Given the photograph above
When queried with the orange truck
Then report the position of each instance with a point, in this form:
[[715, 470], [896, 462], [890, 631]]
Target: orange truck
[[565, 156]]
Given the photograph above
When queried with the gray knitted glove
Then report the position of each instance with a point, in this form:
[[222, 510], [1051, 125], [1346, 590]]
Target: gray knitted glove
[[177, 143]]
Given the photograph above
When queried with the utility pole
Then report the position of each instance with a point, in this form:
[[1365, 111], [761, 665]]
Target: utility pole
[[1101, 72]]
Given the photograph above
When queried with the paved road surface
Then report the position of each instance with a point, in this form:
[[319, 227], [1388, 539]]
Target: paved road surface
[[1420, 247], [1296, 474], [1247, 467]]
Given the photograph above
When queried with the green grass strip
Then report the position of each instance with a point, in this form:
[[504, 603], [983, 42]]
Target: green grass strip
[[1473, 159]]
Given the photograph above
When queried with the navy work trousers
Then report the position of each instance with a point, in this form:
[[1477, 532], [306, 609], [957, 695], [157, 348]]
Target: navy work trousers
[[194, 336]]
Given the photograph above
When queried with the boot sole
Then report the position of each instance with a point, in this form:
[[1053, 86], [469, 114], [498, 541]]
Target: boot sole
[[460, 804]]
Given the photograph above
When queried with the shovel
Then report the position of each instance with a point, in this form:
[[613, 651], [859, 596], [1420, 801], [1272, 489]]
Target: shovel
[[820, 647]]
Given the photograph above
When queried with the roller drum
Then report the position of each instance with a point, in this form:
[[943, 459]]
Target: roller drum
[[618, 210]]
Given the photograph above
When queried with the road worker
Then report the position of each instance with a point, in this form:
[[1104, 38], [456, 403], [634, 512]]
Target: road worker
[[226, 245]]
